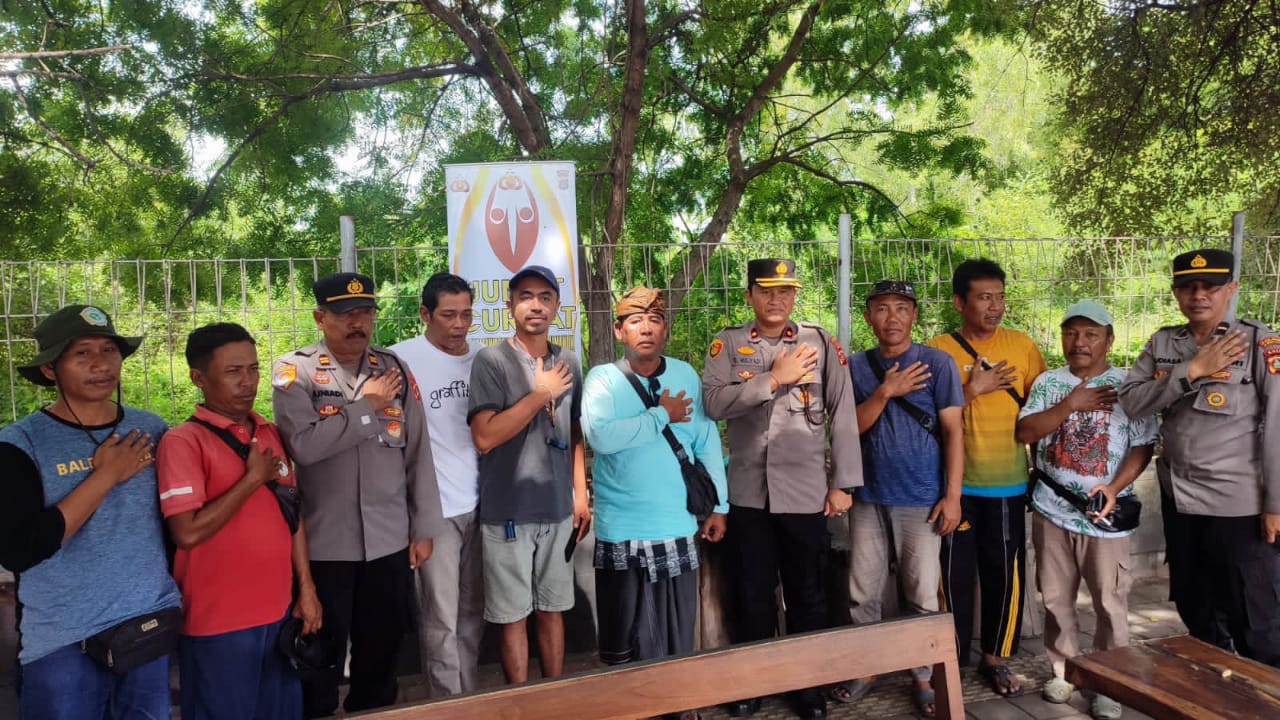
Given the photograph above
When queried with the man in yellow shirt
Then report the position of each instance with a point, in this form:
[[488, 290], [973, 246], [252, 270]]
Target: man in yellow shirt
[[997, 366]]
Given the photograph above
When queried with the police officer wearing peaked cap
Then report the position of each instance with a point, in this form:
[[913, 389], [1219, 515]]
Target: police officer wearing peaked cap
[[1216, 383], [779, 384], [370, 500]]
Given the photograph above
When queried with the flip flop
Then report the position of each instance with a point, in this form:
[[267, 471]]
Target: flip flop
[[924, 699], [854, 690], [1002, 680]]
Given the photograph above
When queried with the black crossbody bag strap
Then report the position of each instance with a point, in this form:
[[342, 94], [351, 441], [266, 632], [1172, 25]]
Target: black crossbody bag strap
[[1038, 475], [649, 402], [234, 443], [927, 421], [974, 353], [225, 436]]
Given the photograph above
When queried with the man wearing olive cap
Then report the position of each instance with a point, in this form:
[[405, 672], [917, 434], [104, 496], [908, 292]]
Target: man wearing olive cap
[[1215, 381], [80, 525], [352, 420], [780, 384]]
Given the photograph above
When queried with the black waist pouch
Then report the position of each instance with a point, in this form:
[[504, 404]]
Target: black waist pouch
[[701, 496], [136, 641], [290, 502]]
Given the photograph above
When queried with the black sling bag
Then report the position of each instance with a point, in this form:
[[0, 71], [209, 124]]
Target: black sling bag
[[701, 497]]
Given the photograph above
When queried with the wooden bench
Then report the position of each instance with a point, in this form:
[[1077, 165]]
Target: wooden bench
[[709, 678], [1181, 678]]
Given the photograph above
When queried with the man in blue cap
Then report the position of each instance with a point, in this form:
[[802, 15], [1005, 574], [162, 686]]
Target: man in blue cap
[[526, 401]]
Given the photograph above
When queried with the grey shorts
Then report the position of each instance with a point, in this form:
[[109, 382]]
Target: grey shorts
[[528, 573]]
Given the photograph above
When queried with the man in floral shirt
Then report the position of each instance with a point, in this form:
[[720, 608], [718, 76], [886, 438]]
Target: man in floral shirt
[[1086, 446]]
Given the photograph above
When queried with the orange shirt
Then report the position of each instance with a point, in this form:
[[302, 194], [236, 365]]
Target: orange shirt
[[242, 576]]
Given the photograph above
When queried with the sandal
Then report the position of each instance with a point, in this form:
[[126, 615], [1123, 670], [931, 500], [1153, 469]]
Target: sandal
[[924, 698], [851, 691], [1002, 680]]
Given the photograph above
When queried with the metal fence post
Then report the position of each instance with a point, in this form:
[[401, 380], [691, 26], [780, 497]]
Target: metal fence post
[[844, 275], [347, 229], [1237, 251]]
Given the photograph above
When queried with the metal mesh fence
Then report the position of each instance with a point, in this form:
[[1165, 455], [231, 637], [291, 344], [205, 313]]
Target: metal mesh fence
[[166, 299]]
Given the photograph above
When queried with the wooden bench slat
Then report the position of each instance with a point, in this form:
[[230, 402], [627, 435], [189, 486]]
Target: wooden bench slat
[[1264, 677], [1180, 679], [709, 678]]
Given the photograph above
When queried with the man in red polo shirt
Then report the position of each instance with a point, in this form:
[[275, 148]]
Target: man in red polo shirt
[[237, 559]]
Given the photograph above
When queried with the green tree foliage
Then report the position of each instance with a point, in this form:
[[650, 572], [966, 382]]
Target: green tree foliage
[[681, 117], [1170, 112]]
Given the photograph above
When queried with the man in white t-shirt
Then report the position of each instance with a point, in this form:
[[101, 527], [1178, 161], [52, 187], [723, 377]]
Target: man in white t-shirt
[[450, 584], [1085, 447]]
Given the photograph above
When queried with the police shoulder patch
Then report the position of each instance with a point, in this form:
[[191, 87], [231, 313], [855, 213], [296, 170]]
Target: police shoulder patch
[[413, 385], [284, 376], [717, 346], [844, 359]]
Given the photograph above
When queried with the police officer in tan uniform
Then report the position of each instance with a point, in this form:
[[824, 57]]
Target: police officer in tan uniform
[[1216, 384], [779, 384], [368, 483]]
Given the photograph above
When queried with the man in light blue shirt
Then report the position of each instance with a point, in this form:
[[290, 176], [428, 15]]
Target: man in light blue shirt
[[645, 556]]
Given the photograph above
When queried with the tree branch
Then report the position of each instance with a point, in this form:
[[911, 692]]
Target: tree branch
[[494, 66], [344, 83], [70, 149], [257, 132], [55, 54]]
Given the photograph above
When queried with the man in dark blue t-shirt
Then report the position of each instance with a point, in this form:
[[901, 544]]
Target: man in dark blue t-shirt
[[910, 402]]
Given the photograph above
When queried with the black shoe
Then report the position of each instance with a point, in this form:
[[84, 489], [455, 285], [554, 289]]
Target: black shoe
[[809, 704], [744, 708]]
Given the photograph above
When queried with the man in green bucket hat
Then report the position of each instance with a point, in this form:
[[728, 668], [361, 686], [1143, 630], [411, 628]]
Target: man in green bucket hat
[[80, 525]]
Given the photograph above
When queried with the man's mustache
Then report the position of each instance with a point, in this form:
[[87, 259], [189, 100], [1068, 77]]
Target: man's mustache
[[356, 334]]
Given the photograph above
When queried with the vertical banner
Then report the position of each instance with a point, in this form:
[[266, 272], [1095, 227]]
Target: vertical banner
[[503, 217]]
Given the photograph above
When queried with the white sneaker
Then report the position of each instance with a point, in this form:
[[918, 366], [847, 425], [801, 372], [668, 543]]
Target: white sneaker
[[1104, 708], [1057, 690]]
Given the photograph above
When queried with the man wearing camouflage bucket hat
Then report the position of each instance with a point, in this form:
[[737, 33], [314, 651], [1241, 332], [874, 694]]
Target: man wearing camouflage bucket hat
[[80, 525]]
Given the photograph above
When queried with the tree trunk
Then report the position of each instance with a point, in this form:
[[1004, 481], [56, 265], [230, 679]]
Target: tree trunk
[[599, 298]]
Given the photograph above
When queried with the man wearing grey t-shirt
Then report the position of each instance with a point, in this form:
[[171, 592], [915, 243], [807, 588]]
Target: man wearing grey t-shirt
[[524, 409]]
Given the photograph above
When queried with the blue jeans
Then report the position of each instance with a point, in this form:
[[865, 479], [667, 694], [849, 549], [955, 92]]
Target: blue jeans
[[238, 675], [67, 685]]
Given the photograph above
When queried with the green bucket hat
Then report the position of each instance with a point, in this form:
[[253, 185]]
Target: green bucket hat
[[64, 326]]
